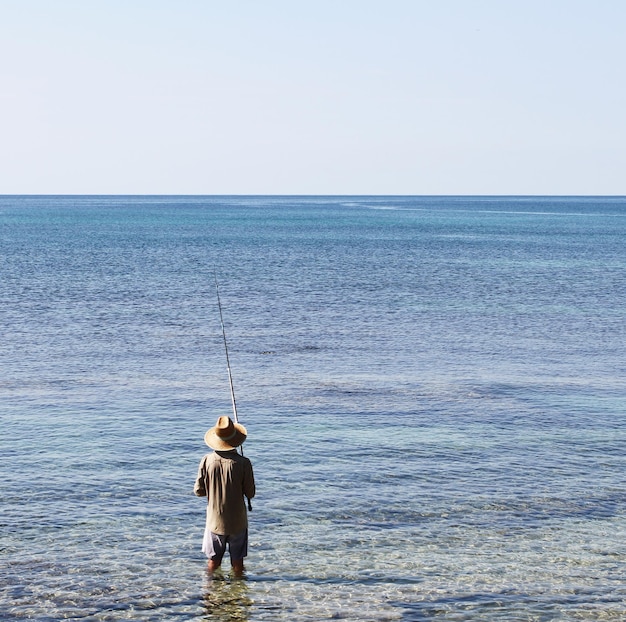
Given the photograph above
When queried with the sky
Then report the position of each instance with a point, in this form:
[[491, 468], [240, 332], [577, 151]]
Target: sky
[[339, 97]]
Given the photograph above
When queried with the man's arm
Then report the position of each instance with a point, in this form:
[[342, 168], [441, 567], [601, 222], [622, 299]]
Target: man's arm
[[249, 488], [199, 488]]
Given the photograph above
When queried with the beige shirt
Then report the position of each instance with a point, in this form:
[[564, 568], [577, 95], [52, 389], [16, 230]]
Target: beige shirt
[[224, 477]]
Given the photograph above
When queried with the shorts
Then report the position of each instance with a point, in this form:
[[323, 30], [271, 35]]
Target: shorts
[[214, 545]]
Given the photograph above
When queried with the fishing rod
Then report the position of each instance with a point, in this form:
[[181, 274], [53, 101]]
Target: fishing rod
[[230, 375]]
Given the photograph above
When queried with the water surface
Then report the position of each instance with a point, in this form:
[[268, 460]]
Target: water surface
[[433, 388]]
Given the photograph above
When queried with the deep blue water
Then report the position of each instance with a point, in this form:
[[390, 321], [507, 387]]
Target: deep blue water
[[433, 389]]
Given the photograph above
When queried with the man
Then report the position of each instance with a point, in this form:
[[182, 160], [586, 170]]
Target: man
[[225, 477]]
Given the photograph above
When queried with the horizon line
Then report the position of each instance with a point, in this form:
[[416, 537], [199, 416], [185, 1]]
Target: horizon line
[[408, 195]]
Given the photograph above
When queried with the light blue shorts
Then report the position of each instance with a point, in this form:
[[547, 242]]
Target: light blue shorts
[[214, 545]]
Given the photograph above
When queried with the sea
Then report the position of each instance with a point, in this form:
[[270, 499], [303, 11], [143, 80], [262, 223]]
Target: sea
[[433, 388]]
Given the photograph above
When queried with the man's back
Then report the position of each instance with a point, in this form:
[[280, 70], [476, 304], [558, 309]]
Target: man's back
[[225, 477]]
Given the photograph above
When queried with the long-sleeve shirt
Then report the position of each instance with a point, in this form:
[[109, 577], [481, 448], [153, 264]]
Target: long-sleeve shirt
[[225, 477]]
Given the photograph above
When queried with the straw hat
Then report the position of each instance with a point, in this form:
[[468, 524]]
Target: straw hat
[[225, 435]]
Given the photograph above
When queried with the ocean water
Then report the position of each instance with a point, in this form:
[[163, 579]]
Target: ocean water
[[433, 388]]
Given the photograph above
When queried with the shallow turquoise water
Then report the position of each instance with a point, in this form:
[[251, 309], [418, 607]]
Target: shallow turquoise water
[[433, 389]]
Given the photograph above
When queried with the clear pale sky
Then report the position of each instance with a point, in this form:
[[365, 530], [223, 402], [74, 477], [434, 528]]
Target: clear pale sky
[[313, 97]]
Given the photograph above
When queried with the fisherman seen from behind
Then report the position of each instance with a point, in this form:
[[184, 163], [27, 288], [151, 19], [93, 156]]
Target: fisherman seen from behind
[[226, 478]]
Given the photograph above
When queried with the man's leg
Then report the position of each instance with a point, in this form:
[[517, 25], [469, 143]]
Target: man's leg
[[215, 551], [238, 549], [238, 567]]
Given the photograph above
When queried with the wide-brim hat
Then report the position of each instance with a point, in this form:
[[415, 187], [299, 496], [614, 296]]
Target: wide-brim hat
[[225, 435]]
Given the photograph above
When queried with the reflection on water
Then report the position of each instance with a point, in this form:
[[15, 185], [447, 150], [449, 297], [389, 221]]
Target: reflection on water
[[226, 598]]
